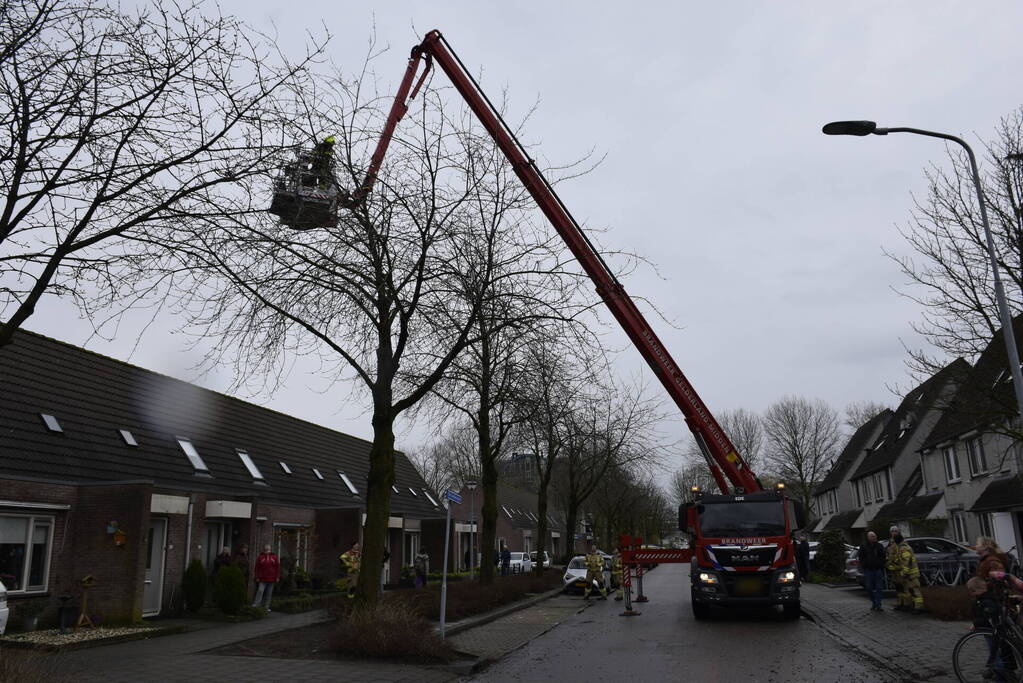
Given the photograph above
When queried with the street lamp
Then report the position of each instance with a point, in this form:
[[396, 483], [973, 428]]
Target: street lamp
[[861, 128], [471, 485]]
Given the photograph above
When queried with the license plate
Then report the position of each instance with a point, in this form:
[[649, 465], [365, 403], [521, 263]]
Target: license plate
[[748, 586]]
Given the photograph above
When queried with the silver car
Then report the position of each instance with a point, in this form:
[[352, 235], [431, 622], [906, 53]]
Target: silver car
[[4, 611], [941, 561]]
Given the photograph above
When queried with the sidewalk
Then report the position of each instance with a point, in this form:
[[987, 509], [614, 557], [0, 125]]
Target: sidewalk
[[914, 647]]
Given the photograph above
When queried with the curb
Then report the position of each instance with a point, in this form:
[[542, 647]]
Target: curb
[[866, 652], [472, 622]]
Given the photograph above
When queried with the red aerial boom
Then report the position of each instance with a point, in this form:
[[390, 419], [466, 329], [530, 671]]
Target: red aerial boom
[[726, 465]]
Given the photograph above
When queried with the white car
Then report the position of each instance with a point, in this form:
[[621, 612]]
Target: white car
[[574, 578], [520, 563], [4, 611], [546, 558]]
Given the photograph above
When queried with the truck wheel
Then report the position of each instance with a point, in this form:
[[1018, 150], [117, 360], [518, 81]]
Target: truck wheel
[[791, 610], [701, 610]]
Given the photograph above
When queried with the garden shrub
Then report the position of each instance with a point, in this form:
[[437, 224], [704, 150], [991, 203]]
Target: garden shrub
[[229, 590], [193, 586], [830, 558], [391, 628]]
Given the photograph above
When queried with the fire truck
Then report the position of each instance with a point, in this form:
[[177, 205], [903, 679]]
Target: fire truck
[[741, 546]]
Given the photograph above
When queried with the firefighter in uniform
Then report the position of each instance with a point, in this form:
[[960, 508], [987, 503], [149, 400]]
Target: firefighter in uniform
[[893, 566], [351, 560], [594, 572], [616, 572], [909, 579], [323, 155]]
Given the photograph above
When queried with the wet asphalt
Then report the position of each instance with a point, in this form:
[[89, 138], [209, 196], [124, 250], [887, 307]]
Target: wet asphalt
[[665, 643]]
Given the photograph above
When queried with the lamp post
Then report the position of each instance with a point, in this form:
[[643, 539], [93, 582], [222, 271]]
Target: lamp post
[[862, 128], [471, 485]]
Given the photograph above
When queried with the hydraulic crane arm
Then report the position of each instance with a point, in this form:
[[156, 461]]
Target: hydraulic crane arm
[[725, 463]]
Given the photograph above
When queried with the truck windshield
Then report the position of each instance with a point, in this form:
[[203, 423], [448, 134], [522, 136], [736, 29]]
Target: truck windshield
[[747, 518]]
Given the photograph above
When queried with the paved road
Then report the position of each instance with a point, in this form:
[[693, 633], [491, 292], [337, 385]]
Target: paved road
[[666, 643]]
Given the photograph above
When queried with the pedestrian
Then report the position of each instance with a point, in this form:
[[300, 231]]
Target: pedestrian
[[911, 599], [992, 558], [241, 560], [268, 572], [616, 572], [871, 556], [421, 567], [505, 560], [221, 560], [803, 558], [594, 572], [351, 561]]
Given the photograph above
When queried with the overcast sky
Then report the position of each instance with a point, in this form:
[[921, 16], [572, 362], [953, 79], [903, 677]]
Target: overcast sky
[[768, 235]]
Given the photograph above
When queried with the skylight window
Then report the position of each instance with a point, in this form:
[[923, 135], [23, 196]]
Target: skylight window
[[427, 493], [412, 491], [192, 455], [250, 466], [51, 422], [881, 443], [128, 437], [506, 511], [348, 482], [284, 466], [395, 489], [317, 473]]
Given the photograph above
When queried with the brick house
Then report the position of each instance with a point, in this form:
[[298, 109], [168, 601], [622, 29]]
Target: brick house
[[110, 470]]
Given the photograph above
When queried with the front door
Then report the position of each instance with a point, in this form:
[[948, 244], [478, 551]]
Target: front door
[[156, 541]]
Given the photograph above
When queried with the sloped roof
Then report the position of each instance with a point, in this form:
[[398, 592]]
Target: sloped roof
[[985, 397], [520, 508], [93, 396], [843, 520], [857, 443], [896, 435], [1004, 493]]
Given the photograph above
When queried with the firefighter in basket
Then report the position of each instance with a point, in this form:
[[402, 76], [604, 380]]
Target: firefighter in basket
[[594, 572], [351, 560]]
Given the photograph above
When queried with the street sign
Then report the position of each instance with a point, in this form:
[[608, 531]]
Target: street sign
[[453, 497]]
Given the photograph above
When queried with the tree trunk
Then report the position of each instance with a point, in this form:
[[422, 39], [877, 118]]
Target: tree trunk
[[541, 525], [488, 538], [572, 523], [378, 507]]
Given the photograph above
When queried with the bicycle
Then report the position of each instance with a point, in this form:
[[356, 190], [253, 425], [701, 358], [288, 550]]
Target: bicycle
[[993, 653]]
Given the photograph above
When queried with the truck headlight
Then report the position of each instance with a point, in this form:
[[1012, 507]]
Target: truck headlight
[[786, 577], [708, 578]]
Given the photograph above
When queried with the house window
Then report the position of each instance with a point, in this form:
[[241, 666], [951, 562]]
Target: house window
[[192, 454], [985, 524], [218, 537], [427, 493], [959, 527], [856, 494], [128, 437], [284, 466], [250, 466], [291, 543], [51, 422], [25, 543], [834, 501], [878, 487], [317, 473], [975, 454], [348, 482], [888, 483], [951, 464]]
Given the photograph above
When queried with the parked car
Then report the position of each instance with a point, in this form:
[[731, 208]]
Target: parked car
[[546, 558], [520, 563], [4, 611], [574, 579], [940, 561]]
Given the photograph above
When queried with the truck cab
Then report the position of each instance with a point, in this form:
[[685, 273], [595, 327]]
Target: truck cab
[[743, 550]]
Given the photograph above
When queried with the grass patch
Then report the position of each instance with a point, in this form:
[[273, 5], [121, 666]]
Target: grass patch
[[390, 629], [952, 603]]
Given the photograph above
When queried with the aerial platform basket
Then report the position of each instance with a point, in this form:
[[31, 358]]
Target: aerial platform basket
[[306, 194]]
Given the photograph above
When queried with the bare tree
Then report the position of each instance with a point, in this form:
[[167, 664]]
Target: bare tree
[[858, 413], [392, 294], [693, 473], [117, 126], [745, 429], [803, 437], [610, 429], [450, 461], [950, 271]]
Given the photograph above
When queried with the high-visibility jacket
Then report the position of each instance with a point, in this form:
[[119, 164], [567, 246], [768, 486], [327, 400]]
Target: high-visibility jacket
[[595, 562], [616, 564], [907, 562], [351, 561], [891, 558]]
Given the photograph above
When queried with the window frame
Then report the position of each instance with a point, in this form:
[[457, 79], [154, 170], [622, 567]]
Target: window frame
[[950, 457], [959, 531], [50, 521], [284, 466], [193, 456], [250, 465], [348, 482], [975, 447], [51, 423], [128, 438]]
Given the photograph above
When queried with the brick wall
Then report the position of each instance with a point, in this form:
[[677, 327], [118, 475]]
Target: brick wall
[[335, 530]]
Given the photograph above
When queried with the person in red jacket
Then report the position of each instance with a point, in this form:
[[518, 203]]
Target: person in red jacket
[[268, 571]]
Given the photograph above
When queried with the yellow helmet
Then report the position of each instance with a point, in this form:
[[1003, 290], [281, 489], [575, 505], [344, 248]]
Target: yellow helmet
[[330, 139]]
